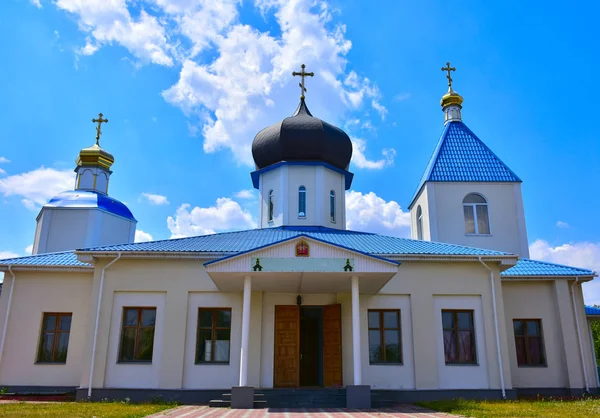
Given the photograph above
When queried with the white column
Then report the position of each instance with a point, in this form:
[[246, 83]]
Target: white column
[[245, 331], [356, 332]]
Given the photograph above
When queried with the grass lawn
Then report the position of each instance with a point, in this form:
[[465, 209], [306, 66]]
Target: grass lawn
[[522, 408], [79, 410]]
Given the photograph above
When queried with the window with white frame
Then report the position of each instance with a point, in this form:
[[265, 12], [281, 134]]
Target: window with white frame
[[302, 202], [270, 205], [332, 206], [419, 222], [477, 221]]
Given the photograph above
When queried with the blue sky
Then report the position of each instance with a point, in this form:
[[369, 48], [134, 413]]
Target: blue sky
[[186, 84]]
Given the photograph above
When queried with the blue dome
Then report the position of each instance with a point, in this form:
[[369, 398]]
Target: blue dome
[[89, 199]]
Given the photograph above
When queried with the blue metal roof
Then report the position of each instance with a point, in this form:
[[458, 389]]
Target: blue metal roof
[[89, 199], [460, 156], [592, 310], [233, 242], [64, 259], [533, 268]]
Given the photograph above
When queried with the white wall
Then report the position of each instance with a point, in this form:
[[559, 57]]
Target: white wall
[[505, 209], [92, 178], [63, 229], [135, 375], [422, 201], [385, 376], [211, 376], [34, 294], [518, 297], [454, 376], [285, 182]]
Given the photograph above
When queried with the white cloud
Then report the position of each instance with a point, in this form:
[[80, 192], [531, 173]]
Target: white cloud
[[156, 199], [245, 194], [29, 249], [110, 21], [576, 254], [561, 224], [369, 212], [242, 81], [226, 215], [36, 3], [7, 254], [2, 171], [400, 97], [38, 186], [141, 236], [4, 160], [359, 159]]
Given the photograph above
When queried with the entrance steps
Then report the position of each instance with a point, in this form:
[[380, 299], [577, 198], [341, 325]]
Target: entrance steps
[[225, 401], [291, 398]]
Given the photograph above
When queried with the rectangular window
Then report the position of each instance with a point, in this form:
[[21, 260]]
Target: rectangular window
[[54, 341], [529, 343], [385, 345], [483, 221], [469, 219], [214, 335], [137, 335], [459, 337]]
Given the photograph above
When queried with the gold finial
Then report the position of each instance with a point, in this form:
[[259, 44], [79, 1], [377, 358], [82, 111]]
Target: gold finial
[[302, 74], [448, 68], [99, 121]]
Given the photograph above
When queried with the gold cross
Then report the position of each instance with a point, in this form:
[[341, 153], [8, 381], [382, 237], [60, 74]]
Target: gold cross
[[302, 74], [99, 121], [448, 68]]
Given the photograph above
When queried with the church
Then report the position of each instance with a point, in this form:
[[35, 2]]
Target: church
[[300, 311]]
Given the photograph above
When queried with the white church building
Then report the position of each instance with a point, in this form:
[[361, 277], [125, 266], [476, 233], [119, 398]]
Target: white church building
[[300, 311]]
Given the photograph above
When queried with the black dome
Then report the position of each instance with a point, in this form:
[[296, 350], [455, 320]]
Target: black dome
[[302, 137]]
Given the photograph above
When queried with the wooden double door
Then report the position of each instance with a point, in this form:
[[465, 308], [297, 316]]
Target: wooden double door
[[308, 346]]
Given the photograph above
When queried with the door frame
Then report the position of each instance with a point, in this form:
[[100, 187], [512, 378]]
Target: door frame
[[298, 344]]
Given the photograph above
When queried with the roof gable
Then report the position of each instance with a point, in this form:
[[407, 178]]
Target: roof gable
[[321, 256], [460, 156]]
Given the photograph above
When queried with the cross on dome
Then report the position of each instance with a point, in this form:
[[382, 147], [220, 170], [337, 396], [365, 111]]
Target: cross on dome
[[448, 69], [99, 121], [302, 74]]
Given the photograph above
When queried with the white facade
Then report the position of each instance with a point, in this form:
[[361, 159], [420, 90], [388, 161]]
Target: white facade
[[443, 217], [62, 229], [177, 288], [92, 178], [324, 198]]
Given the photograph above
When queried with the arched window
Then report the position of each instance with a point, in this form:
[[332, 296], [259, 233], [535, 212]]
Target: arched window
[[419, 223], [477, 220], [332, 206], [302, 202], [270, 203]]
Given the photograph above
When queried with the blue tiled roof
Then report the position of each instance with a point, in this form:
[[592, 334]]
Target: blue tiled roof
[[233, 242], [64, 259], [533, 268], [591, 310], [89, 199], [462, 157]]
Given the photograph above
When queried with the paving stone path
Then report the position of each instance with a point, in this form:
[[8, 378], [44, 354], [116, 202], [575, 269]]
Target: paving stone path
[[400, 411]]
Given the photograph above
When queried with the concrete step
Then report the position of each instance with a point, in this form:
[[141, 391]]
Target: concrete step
[[225, 402]]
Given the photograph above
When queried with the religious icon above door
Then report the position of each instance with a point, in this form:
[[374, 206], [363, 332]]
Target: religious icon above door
[[302, 249]]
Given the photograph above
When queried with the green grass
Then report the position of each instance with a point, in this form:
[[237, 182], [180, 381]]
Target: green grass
[[523, 408], [80, 410]]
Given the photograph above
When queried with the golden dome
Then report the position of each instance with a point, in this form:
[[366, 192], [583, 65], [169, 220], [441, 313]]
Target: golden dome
[[95, 156], [451, 98]]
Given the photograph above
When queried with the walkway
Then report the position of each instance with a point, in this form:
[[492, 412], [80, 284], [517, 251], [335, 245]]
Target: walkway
[[401, 411]]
